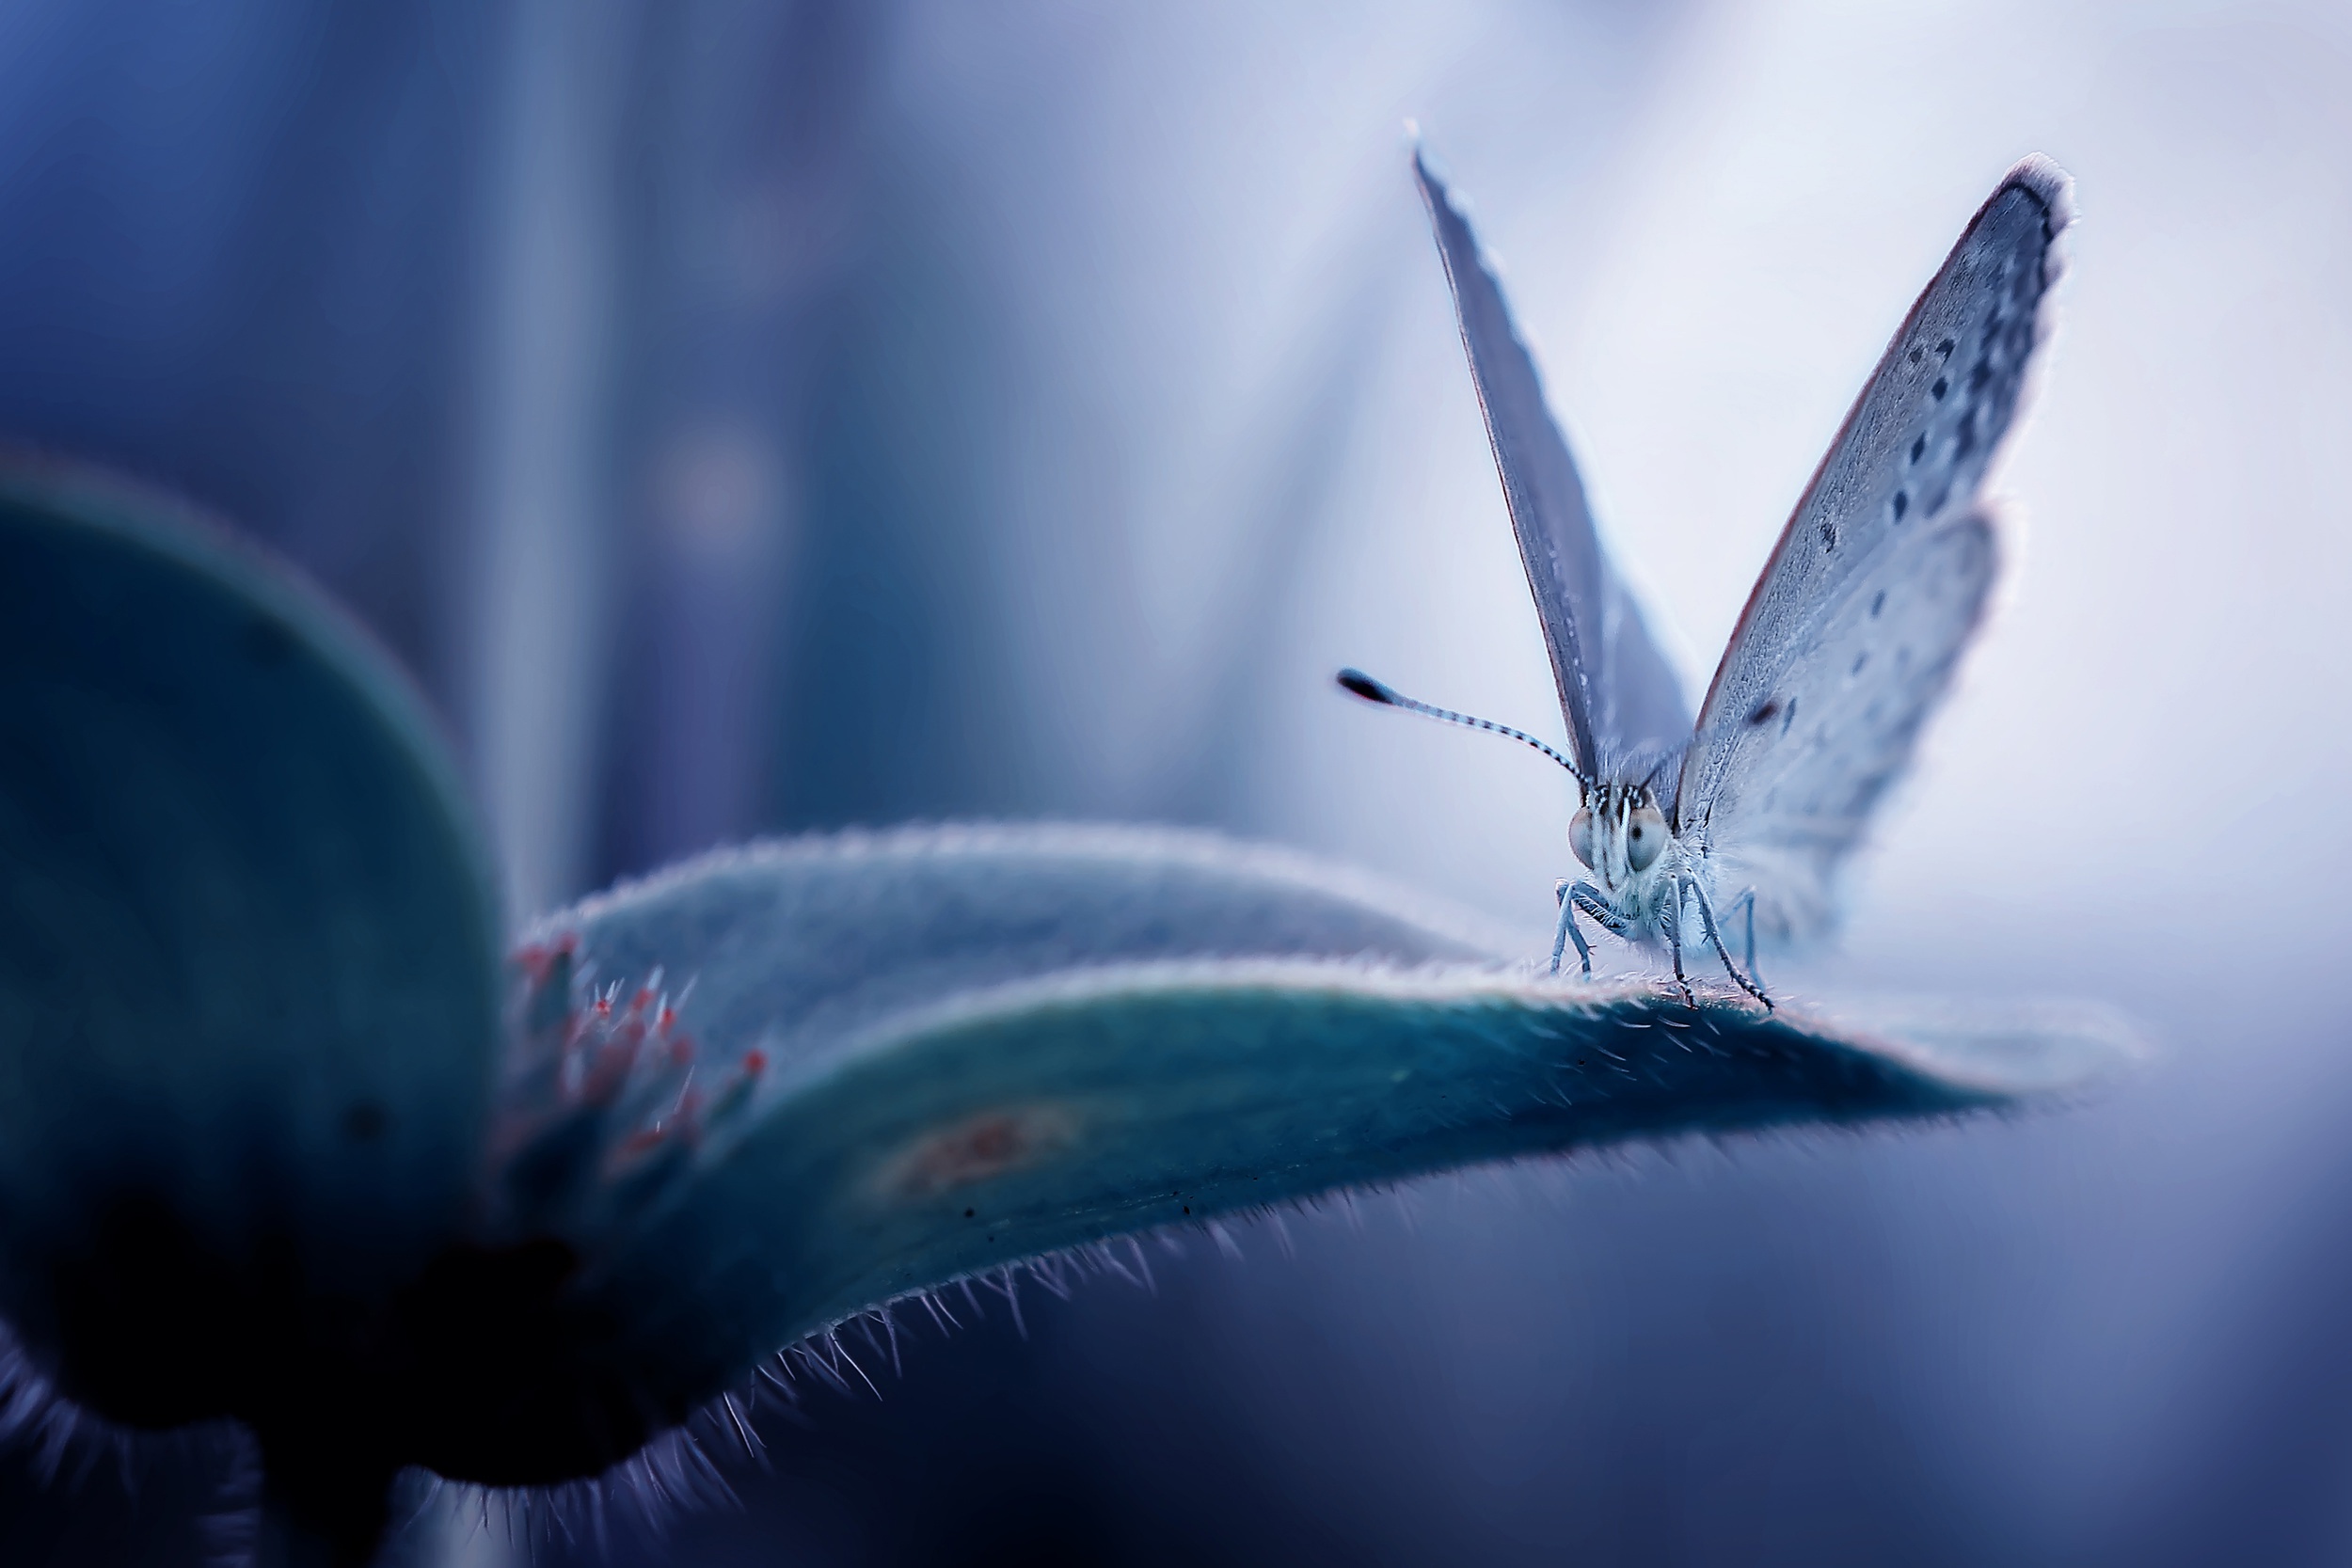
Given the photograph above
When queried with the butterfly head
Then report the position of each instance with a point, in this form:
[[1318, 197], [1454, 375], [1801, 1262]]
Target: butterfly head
[[1620, 834]]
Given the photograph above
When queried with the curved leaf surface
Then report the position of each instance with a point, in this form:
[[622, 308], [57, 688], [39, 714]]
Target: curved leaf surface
[[1029, 1039]]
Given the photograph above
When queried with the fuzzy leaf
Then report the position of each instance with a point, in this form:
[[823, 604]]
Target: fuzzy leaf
[[248, 991], [794, 947], [988, 1045]]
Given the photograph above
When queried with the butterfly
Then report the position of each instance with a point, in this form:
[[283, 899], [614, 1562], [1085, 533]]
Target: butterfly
[[1849, 637]]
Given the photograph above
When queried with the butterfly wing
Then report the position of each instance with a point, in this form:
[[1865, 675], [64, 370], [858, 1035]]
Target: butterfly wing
[[1618, 692], [1842, 723], [1849, 637]]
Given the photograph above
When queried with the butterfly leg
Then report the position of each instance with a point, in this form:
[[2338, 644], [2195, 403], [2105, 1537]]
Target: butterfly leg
[[1567, 930], [1707, 918], [1746, 905], [1672, 923], [1595, 903]]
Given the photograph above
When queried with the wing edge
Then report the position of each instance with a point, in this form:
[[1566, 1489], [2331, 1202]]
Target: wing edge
[[1564, 643]]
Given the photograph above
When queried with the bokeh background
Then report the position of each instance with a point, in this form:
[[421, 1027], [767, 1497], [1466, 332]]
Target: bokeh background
[[754, 416]]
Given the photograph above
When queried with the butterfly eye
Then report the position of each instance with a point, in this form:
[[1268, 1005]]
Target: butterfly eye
[[1644, 837], [1580, 835]]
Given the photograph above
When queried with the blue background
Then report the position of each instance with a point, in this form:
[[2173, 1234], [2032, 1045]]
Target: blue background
[[747, 417]]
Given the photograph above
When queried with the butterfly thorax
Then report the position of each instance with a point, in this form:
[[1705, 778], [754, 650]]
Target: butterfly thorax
[[1620, 834]]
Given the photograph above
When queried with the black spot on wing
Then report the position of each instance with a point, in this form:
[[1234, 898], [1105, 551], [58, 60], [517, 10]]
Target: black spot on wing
[[1988, 341]]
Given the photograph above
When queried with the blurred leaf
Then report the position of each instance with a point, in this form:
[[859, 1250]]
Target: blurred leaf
[[248, 988]]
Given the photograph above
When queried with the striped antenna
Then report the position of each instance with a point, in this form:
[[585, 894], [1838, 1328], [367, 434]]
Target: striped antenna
[[1361, 685]]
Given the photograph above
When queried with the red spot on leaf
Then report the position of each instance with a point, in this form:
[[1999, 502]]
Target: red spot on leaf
[[977, 1149]]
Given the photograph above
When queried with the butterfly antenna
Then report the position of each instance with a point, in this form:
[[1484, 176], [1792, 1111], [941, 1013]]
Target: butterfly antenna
[[1361, 685]]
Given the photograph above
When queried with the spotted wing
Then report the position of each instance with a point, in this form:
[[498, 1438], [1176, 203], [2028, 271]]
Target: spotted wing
[[1842, 723], [1847, 639], [1618, 692]]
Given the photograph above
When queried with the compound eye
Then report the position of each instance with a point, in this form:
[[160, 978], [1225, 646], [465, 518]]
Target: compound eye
[[1644, 837], [1581, 836]]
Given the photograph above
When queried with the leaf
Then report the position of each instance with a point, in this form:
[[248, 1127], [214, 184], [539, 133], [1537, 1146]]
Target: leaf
[[247, 1015], [986, 1045], [249, 989]]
